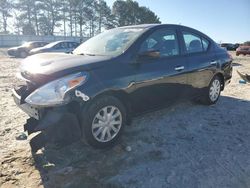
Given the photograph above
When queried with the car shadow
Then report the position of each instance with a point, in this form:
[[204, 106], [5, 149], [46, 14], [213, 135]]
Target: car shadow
[[161, 148]]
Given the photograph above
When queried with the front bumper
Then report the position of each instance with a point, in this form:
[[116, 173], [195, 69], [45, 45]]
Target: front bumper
[[12, 53], [27, 108], [57, 124], [43, 117]]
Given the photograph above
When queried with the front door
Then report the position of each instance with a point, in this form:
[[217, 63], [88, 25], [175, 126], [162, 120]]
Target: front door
[[160, 79]]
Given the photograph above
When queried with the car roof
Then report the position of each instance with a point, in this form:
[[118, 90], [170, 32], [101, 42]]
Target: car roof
[[155, 25], [64, 41], [51, 44], [149, 26], [141, 26], [37, 42]]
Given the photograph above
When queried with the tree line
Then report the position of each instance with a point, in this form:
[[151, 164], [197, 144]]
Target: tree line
[[70, 17]]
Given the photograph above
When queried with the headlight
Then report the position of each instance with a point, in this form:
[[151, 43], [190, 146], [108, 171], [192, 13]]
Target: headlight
[[55, 92]]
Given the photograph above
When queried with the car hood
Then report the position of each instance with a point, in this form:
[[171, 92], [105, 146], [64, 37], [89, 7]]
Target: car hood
[[61, 64], [15, 48]]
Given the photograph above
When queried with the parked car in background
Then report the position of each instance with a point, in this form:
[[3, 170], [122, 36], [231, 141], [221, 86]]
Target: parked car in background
[[236, 45], [229, 46], [58, 46], [243, 50], [23, 50], [120, 73]]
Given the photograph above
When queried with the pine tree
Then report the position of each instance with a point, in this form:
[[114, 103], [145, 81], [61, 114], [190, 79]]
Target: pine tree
[[130, 13], [5, 8]]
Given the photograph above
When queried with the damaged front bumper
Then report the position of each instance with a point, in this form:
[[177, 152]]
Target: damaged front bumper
[[43, 117], [56, 124], [27, 108]]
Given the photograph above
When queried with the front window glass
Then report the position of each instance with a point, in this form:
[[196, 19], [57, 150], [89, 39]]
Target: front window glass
[[163, 41], [70, 45], [109, 43], [64, 45]]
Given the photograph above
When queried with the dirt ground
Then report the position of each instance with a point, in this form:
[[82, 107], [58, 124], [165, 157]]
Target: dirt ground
[[184, 145]]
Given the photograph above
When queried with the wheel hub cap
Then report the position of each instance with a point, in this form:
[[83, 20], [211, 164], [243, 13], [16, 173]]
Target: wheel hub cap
[[106, 124], [214, 91]]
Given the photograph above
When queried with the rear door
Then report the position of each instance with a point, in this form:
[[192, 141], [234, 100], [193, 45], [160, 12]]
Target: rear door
[[201, 59], [159, 80]]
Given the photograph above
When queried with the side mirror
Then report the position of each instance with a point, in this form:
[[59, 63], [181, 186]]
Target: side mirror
[[151, 54]]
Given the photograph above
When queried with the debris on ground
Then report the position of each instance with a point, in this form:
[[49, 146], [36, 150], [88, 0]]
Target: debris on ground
[[21, 136], [242, 82], [128, 148]]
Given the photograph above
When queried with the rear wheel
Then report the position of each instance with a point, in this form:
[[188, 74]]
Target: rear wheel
[[103, 121], [213, 91]]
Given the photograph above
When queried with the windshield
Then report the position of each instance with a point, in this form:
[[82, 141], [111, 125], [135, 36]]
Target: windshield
[[109, 43], [51, 44], [26, 44]]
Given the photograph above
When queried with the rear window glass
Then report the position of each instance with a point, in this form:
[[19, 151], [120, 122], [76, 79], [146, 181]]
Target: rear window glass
[[195, 43]]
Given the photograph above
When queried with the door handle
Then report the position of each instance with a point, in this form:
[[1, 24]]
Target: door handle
[[213, 62], [179, 68]]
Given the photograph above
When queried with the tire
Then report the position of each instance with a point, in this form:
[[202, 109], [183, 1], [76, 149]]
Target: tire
[[95, 123], [23, 54], [212, 92]]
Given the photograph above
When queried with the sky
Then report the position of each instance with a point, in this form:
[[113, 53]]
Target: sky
[[222, 20]]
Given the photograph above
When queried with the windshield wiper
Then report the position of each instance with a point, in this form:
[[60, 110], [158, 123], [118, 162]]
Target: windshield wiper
[[80, 54], [86, 54], [90, 54]]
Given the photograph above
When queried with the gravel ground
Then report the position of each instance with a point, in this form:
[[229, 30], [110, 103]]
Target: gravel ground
[[184, 145]]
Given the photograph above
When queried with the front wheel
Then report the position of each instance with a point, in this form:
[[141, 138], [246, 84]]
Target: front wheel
[[23, 54], [213, 91], [103, 121]]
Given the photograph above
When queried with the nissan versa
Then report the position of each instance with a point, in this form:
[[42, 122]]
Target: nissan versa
[[118, 74]]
